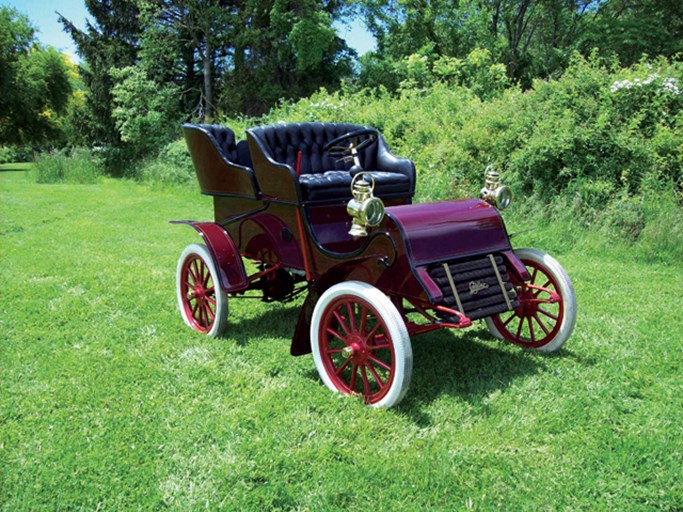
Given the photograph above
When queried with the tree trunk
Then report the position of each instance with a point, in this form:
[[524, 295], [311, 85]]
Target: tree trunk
[[208, 91]]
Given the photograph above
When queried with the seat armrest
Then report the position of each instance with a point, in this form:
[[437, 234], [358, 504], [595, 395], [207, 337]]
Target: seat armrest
[[275, 180], [387, 161]]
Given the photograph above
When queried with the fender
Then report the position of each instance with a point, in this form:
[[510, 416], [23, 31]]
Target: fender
[[301, 341], [226, 257]]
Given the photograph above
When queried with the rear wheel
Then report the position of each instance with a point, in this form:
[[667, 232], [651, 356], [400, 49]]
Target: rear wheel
[[546, 315], [361, 345], [203, 304]]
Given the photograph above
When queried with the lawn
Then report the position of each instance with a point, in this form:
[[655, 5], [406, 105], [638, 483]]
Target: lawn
[[109, 402]]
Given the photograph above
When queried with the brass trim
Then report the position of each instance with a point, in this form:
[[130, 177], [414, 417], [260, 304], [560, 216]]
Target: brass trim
[[452, 283], [500, 281]]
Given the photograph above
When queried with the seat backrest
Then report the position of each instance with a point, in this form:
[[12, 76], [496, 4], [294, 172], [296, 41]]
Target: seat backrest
[[223, 138], [282, 143], [222, 166]]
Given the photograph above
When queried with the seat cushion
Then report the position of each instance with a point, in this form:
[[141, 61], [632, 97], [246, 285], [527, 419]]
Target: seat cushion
[[337, 185]]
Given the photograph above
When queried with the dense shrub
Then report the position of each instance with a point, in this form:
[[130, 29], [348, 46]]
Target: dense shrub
[[173, 166], [76, 166], [597, 148], [15, 154]]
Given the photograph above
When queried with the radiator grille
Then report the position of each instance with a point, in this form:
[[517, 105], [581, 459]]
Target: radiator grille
[[477, 286]]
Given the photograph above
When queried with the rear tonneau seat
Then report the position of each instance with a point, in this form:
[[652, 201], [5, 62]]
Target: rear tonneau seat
[[223, 167]]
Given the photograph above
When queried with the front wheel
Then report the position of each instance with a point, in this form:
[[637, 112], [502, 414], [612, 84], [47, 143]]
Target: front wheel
[[203, 304], [546, 314], [361, 345]]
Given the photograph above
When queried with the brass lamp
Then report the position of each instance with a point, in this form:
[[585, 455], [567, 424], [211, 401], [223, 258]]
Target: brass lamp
[[494, 193], [365, 209]]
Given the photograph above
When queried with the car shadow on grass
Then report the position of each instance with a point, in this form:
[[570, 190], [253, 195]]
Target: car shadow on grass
[[470, 365], [278, 322]]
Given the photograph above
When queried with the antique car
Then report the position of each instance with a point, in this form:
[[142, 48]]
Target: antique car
[[326, 209]]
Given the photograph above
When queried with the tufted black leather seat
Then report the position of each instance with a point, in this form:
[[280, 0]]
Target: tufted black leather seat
[[322, 178], [223, 138]]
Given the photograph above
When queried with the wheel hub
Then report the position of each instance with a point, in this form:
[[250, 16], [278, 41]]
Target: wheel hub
[[356, 350]]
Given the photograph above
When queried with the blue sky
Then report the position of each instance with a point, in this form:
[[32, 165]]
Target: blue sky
[[42, 14]]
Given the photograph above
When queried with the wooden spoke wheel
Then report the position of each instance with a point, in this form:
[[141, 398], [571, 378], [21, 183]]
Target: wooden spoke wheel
[[361, 345], [546, 314], [203, 304]]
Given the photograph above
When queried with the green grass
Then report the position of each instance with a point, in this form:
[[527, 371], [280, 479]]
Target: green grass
[[108, 402]]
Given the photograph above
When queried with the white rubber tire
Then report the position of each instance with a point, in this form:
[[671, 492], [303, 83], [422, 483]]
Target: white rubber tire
[[394, 326], [564, 288], [217, 326]]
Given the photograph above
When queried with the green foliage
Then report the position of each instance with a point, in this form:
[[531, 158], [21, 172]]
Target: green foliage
[[146, 113], [630, 30], [588, 145], [79, 165], [311, 38], [11, 154], [34, 83], [529, 38], [172, 167], [110, 40]]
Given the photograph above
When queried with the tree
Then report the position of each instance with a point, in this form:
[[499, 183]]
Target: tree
[[111, 41], [631, 28], [531, 37], [195, 33], [34, 83], [253, 52]]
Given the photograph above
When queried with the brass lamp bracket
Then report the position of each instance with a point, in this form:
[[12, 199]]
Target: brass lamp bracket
[[365, 209], [494, 192]]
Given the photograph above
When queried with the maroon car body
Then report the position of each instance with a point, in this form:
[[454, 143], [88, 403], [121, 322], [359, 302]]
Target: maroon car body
[[280, 201]]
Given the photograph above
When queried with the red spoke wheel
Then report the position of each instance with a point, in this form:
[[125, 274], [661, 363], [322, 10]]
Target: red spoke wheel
[[546, 315], [203, 304], [361, 345]]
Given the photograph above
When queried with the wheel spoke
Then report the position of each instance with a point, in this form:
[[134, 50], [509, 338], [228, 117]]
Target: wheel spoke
[[366, 383], [196, 272], [342, 367], [373, 332], [538, 321], [519, 328], [376, 376], [379, 347], [211, 315], [379, 363], [531, 330], [352, 316], [200, 315], [336, 334], [342, 322], [363, 320], [546, 313], [512, 317], [191, 274], [533, 276], [352, 384]]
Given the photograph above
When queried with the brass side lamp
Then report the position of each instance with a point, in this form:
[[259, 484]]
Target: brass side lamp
[[494, 192], [365, 209]]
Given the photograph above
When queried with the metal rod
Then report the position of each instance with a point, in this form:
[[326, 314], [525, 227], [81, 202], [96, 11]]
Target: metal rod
[[500, 281], [455, 292], [243, 215]]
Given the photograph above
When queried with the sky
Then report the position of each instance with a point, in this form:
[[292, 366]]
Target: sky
[[43, 15]]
